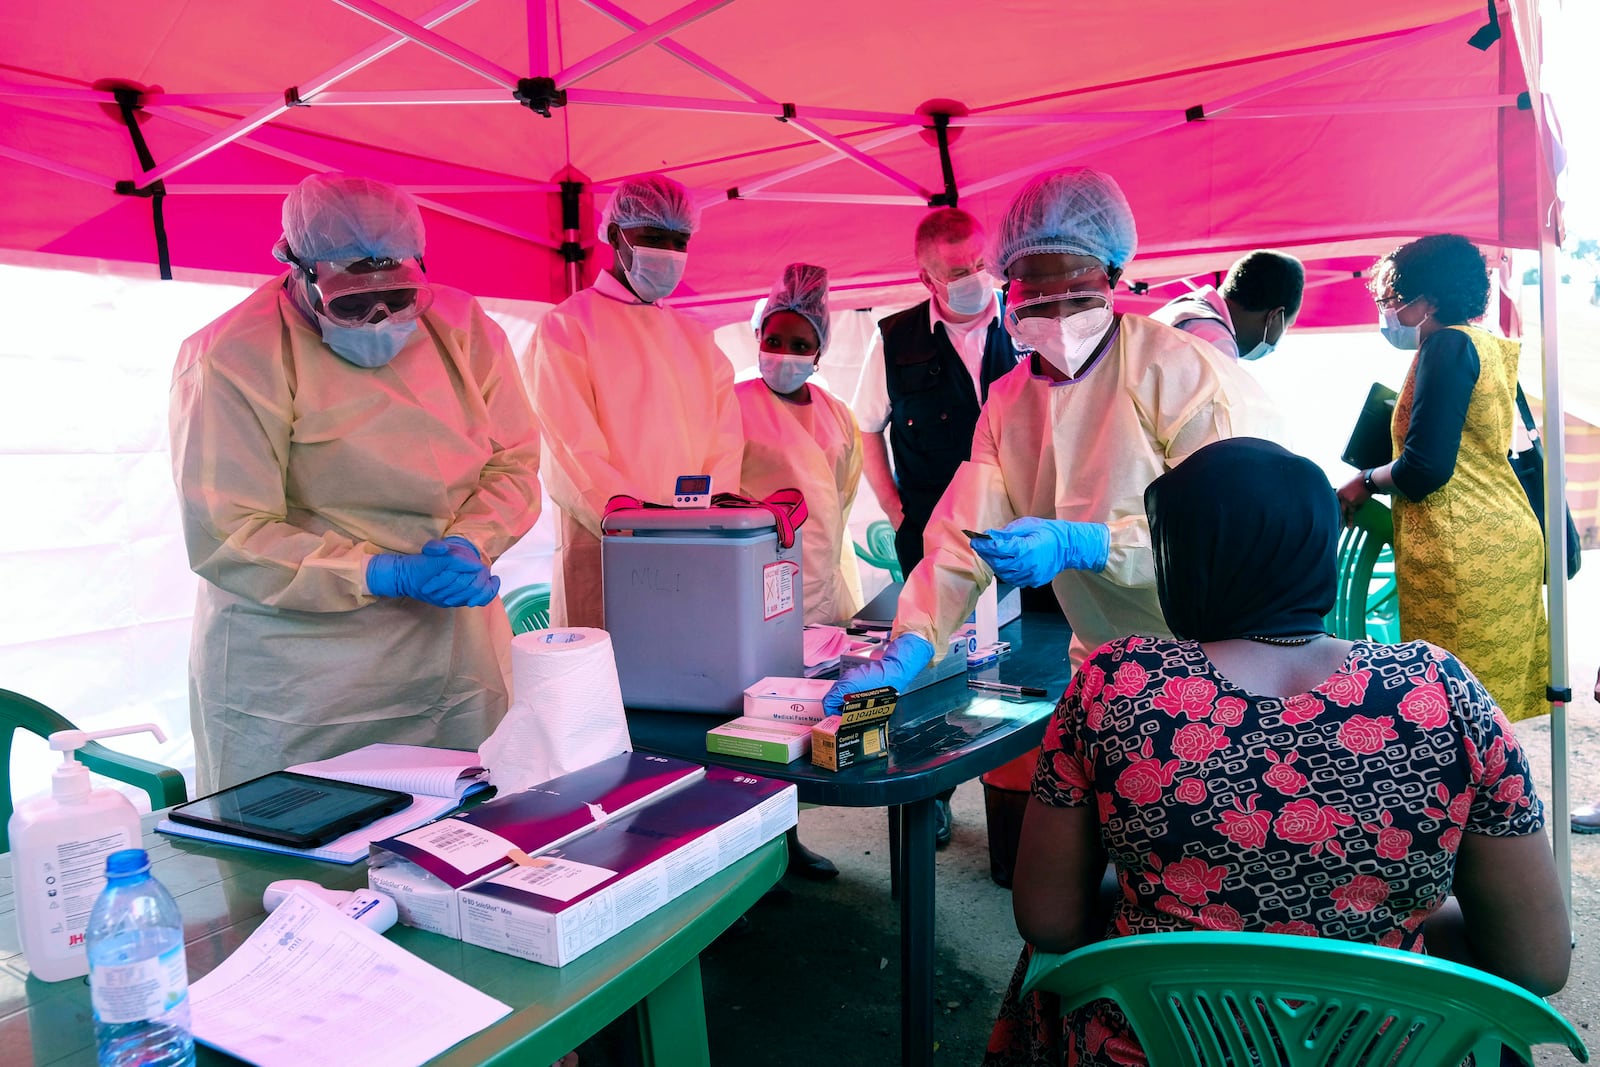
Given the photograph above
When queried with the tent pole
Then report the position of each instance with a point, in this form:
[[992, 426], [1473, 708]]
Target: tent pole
[[1555, 509], [438, 44]]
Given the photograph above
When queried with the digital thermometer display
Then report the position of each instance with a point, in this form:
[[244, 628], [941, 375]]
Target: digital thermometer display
[[692, 491]]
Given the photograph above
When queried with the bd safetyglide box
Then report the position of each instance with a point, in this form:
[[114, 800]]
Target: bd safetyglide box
[[859, 734], [424, 869], [553, 908], [700, 603]]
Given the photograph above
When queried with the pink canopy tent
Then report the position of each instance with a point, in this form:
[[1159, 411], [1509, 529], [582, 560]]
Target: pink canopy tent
[[809, 131]]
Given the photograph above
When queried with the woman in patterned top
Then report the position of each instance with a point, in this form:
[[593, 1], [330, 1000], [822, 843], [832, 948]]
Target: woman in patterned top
[[1254, 773], [1468, 554]]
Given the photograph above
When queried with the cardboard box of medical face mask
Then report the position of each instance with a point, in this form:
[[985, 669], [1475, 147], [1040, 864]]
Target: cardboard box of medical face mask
[[555, 907], [787, 699], [762, 739], [859, 733], [424, 869]]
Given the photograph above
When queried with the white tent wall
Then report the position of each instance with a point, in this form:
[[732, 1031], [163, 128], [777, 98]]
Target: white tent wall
[[98, 591]]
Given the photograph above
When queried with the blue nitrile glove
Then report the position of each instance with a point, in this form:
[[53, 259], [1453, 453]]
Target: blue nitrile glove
[[1030, 551], [443, 574], [901, 661], [456, 589]]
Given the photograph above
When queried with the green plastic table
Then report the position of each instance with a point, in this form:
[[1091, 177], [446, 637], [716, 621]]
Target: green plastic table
[[652, 967], [939, 737]]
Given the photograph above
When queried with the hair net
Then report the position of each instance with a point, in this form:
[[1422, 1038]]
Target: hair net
[[651, 200], [1080, 211], [803, 289], [343, 217]]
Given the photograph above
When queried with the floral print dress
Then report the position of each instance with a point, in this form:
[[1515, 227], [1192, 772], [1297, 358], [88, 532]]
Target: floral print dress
[[1333, 813]]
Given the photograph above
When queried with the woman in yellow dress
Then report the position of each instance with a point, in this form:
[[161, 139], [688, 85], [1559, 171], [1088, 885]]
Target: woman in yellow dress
[[1469, 554]]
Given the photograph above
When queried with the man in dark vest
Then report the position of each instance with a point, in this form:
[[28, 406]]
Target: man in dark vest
[[927, 375]]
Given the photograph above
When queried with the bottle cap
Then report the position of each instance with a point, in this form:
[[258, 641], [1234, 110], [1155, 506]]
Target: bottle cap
[[127, 862]]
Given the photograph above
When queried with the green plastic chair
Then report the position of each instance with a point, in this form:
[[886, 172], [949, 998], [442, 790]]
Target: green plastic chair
[[528, 607], [880, 551], [164, 785], [1210, 999], [1367, 606]]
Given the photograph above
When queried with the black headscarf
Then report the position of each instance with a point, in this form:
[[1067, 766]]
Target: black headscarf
[[1245, 535]]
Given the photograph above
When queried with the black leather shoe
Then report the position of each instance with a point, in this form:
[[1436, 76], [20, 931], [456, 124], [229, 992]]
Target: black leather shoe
[[808, 864], [941, 822], [1586, 820]]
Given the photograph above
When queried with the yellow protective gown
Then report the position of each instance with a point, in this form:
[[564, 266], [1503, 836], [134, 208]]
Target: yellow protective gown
[[1083, 451], [816, 448], [293, 469], [629, 396]]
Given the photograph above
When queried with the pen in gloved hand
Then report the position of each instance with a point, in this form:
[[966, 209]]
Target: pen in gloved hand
[[1007, 687], [974, 535]]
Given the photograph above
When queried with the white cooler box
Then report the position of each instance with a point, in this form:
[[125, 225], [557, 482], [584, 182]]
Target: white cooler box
[[700, 603]]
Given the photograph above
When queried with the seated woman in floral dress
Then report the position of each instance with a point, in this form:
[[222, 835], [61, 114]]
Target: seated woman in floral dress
[[1254, 773]]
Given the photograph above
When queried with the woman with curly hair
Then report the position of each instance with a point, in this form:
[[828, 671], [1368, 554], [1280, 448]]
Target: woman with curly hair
[[1469, 554]]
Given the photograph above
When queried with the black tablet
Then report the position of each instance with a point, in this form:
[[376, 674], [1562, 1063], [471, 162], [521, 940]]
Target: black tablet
[[298, 810]]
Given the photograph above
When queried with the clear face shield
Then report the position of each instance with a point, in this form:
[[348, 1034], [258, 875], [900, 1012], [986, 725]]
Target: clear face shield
[[368, 291]]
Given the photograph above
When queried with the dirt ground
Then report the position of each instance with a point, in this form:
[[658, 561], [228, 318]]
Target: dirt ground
[[815, 978]]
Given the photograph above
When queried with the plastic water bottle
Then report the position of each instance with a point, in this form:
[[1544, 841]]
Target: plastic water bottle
[[138, 975]]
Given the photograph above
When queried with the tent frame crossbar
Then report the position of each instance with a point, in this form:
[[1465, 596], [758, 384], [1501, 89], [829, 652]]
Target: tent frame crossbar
[[1204, 111], [638, 40], [841, 148], [422, 35], [329, 77]]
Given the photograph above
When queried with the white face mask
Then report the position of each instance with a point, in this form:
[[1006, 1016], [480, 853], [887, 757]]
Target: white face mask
[[1405, 338], [969, 295], [1264, 347], [784, 374], [367, 346], [1065, 343], [654, 272]]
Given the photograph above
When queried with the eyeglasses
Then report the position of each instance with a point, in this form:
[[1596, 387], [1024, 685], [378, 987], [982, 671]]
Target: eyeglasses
[[1391, 302]]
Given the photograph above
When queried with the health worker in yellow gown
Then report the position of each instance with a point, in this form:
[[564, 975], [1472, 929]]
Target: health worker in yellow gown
[[1103, 405], [798, 435], [353, 450], [630, 393]]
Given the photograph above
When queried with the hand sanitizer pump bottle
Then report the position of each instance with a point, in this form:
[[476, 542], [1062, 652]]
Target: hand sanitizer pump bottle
[[59, 846]]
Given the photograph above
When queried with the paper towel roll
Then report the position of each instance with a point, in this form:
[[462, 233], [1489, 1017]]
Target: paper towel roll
[[566, 709]]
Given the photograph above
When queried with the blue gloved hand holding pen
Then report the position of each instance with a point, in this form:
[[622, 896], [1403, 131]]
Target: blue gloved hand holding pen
[[447, 574], [902, 660], [1031, 551]]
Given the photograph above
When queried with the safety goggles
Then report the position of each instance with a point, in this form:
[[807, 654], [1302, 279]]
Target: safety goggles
[[1032, 289], [361, 292], [1061, 305]]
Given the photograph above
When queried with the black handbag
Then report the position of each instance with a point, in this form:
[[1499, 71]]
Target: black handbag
[[1529, 468]]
